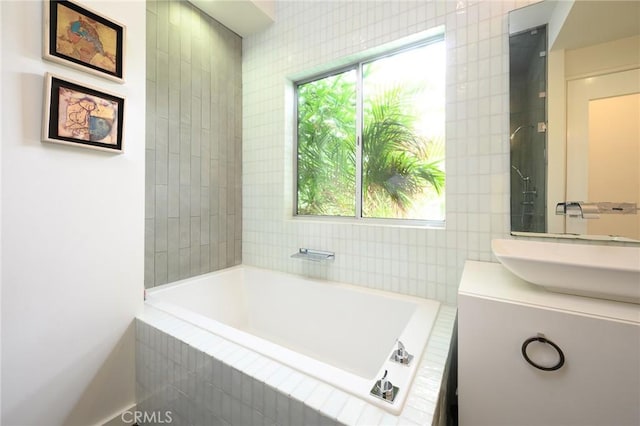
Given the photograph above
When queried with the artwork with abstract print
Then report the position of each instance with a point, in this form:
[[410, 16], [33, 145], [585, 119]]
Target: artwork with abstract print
[[81, 38], [86, 117], [85, 39], [76, 114]]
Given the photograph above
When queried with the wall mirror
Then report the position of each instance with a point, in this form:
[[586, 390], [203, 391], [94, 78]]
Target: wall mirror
[[574, 74]]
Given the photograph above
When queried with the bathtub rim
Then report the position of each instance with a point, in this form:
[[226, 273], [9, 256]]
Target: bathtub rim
[[336, 284]]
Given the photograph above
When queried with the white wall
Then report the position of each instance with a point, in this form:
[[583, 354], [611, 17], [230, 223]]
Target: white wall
[[72, 242], [614, 138], [602, 58], [310, 35]]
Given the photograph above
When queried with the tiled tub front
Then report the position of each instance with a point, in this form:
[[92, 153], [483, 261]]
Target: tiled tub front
[[202, 379]]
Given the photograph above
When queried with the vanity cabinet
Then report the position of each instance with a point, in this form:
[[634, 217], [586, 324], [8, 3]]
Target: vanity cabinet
[[597, 382]]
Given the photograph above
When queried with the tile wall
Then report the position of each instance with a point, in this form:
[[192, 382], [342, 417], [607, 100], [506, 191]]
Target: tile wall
[[193, 220], [308, 37]]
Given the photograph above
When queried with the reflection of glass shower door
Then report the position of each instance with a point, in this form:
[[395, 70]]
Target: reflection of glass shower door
[[527, 141], [603, 150]]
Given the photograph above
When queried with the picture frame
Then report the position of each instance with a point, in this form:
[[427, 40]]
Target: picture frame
[[81, 38], [80, 115]]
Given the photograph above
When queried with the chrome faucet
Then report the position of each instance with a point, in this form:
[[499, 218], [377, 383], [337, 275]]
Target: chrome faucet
[[384, 389], [384, 386], [401, 355], [587, 210], [574, 209]]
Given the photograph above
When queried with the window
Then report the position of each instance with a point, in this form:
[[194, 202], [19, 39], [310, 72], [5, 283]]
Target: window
[[370, 138]]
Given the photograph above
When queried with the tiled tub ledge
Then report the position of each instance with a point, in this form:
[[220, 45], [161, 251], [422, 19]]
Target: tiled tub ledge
[[203, 379]]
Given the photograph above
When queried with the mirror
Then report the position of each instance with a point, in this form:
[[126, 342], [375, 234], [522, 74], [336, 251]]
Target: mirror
[[574, 68], [528, 118]]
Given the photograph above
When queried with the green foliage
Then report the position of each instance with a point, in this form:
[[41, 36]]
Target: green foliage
[[398, 164], [326, 147]]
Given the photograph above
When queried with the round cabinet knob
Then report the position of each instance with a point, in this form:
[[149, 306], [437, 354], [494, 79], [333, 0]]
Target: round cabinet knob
[[539, 347]]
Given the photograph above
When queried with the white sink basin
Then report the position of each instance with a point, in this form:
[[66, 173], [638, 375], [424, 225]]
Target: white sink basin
[[603, 272]]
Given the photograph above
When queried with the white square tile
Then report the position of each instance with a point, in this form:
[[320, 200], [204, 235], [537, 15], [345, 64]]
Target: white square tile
[[247, 389], [267, 370], [256, 365], [351, 411], [290, 383], [227, 379], [236, 412], [304, 389], [370, 415], [226, 407], [282, 409], [389, 420], [334, 404], [319, 395], [311, 416], [269, 394], [257, 395], [296, 412], [279, 376], [257, 418], [416, 416], [236, 383], [216, 400]]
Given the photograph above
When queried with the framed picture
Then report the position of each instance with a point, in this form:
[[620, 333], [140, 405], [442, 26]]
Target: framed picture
[[78, 37], [75, 114]]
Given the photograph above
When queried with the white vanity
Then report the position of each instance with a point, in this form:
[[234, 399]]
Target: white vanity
[[583, 353]]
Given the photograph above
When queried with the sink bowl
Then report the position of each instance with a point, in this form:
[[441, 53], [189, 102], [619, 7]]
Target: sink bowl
[[603, 272]]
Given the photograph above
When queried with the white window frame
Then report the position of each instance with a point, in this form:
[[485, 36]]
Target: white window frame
[[357, 65]]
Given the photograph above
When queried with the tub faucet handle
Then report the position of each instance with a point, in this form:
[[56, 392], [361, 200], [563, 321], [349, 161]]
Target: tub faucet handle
[[401, 355], [384, 389], [384, 384]]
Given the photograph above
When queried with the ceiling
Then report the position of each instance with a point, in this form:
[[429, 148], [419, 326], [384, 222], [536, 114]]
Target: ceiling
[[591, 22], [243, 17]]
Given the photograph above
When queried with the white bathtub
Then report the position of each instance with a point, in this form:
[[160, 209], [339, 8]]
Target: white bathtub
[[337, 333]]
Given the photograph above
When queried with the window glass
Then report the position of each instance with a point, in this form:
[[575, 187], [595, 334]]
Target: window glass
[[403, 135], [326, 145], [371, 139]]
